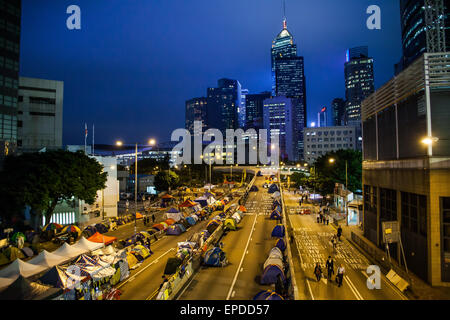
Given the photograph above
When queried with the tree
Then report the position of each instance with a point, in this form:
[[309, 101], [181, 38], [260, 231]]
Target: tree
[[41, 180], [166, 180]]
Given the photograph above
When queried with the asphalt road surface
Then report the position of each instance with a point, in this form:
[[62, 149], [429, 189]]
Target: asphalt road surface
[[247, 249], [314, 245]]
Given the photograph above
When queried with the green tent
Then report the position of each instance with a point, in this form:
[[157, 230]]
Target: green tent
[[230, 224]]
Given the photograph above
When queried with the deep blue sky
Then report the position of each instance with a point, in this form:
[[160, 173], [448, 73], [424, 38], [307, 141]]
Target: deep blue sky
[[133, 64]]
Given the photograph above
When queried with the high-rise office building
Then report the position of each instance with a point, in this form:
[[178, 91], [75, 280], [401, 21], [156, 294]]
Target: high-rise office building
[[254, 110], [40, 114], [222, 105], [10, 16], [338, 109], [278, 113], [288, 79], [414, 23], [196, 111], [241, 111]]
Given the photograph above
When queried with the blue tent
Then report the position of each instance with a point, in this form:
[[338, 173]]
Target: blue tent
[[276, 203], [278, 231], [190, 220], [267, 295], [281, 245], [203, 201], [181, 226], [273, 188], [254, 188], [275, 215], [215, 257], [174, 230], [173, 210], [270, 274]]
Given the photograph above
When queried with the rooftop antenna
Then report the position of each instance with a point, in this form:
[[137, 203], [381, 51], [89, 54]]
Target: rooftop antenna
[[284, 15]]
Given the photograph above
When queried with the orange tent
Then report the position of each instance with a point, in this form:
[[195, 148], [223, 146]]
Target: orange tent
[[187, 204], [139, 216], [170, 221], [101, 238], [167, 196], [242, 208], [158, 226]]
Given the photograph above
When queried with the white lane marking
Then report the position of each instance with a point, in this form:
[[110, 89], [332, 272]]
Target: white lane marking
[[310, 291], [151, 263], [353, 288], [234, 292], [242, 269], [242, 259]]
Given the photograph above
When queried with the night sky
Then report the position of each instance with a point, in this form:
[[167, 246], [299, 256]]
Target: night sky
[[134, 63]]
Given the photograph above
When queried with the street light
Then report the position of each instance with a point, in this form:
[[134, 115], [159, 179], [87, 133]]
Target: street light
[[429, 140]]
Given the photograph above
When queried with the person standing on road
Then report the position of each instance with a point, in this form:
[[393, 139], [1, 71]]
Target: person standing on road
[[330, 267], [153, 218], [340, 275], [339, 233], [318, 272], [328, 219]]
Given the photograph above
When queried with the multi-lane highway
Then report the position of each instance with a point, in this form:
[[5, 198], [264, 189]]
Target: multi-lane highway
[[313, 242], [247, 249]]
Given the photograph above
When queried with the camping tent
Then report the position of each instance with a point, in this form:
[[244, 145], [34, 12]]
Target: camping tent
[[271, 273], [173, 214], [215, 257], [276, 253], [278, 231], [165, 225], [89, 231], [19, 267], [276, 194], [88, 245], [273, 261], [172, 265], [100, 227], [281, 245], [139, 216], [23, 289], [273, 188], [212, 226], [230, 224], [158, 226], [167, 197], [47, 259], [254, 189], [27, 252], [188, 204], [174, 230], [203, 201], [236, 217], [132, 260], [191, 220], [169, 221], [101, 238], [185, 224], [140, 251], [267, 295], [55, 277]]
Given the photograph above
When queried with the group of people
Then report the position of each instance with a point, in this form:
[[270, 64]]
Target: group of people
[[147, 219], [330, 271]]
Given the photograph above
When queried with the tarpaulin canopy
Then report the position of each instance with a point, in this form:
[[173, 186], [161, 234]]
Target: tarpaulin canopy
[[6, 282], [109, 250], [139, 216], [271, 273], [274, 261], [102, 239], [278, 231], [27, 252], [68, 251], [48, 259], [85, 244], [175, 216], [56, 277], [23, 289], [21, 268], [276, 253], [242, 209], [267, 295], [167, 196]]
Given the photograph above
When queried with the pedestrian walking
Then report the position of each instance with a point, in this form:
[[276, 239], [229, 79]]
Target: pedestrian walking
[[318, 272], [328, 219], [334, 242], [324, 219], [339, 233], [318, 218], [340, 275], [330, 267]]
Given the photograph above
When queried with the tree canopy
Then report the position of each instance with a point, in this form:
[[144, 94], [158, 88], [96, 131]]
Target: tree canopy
[[41, 180], [166, 180]]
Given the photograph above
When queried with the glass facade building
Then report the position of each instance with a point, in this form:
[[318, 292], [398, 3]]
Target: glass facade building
[[338, 109], [10, 17], [196, 111], [254, 110]]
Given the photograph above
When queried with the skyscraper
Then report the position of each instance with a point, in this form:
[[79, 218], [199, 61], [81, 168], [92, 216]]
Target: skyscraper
[[10, 16], [241, 111], [222, 105], [338, 109], [254, 110], [196, 111], [413, 14], [359, 84], [288, 79]]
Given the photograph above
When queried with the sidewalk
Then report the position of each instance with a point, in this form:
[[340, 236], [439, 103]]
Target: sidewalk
[[419, 289]]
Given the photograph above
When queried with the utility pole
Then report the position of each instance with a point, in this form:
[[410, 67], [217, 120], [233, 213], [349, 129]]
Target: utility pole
[[135, 190]]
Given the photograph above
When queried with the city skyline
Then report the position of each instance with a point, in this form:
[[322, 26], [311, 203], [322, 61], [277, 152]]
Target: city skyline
[[147, 85]]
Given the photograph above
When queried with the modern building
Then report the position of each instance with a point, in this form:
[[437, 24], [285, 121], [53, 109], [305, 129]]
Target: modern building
[[10, 22], [254, 110], [413, 15], [359, 82], [322, 119], [241, 111], [320, 141], [406, 178], [222, 105], [278, 120], [196, 111], [40, 114], [77, 211], [288, 80], [338, 109]]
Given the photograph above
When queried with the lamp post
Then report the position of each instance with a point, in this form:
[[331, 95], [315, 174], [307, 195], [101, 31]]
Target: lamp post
[[120, 143]]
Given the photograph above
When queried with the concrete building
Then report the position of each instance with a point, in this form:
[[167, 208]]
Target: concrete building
[[105, 206], [319, 141], [404, 179], [40, 114], [196, 111], [10, 21]]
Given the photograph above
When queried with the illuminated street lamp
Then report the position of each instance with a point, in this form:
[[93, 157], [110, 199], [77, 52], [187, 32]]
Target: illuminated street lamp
[[429, 140]]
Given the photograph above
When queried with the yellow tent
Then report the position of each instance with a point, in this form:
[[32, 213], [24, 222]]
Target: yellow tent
[[141, 250], [132, 261]]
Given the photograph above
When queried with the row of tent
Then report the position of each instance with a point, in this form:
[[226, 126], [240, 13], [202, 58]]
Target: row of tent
[[273, 188], [273, 269]]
